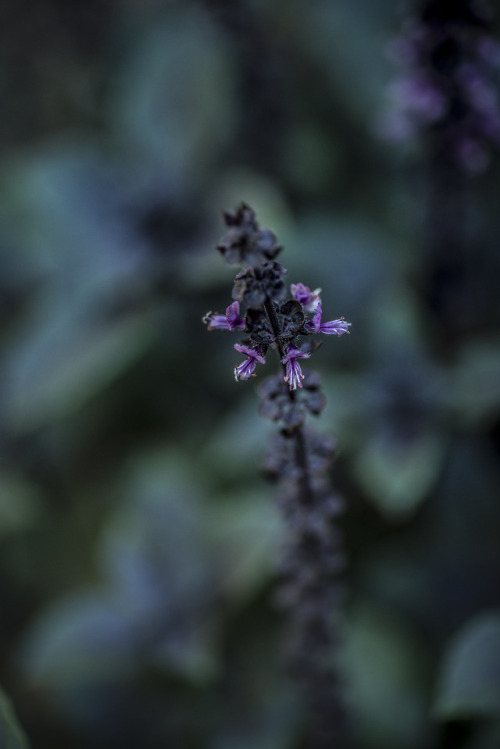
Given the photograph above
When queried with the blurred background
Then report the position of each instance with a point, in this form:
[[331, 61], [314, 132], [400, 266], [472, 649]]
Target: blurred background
[[139, 542]]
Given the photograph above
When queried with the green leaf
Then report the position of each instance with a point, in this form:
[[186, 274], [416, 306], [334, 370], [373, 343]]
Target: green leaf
[[11, 734], [384, 674], [397, 477], [246, 533], [349, 52], [58, 366], [469, 683], [83, 637], [20, 505], [475, 391], [173, 104], [238, 442]]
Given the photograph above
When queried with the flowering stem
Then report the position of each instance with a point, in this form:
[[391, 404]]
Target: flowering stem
[[299, 459], [306, 491], [275, 327]]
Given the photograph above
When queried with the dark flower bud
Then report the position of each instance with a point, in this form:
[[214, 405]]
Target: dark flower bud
[[272, 281], [321, 452], [276, 404], [257, 326], [254, 294], [314, 400], [240, 283], [236, 247], [243, 217], [266, 243], [293, 318], [312, 380], [256, 286], [244, 242]]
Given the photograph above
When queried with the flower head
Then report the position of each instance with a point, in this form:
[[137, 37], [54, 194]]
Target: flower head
[[244, 241], [293, 374], [230, 321], [246, 369], [303, 294], [334, 327]]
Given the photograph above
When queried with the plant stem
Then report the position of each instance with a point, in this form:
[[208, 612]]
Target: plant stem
[[306, 490]]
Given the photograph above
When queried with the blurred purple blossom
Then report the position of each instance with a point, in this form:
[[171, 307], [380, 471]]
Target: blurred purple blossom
[[448, 85]]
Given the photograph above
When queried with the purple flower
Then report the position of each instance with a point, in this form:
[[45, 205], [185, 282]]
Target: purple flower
[[294, 374], [420, 96], [246, 369], [307, 298], [229, 321], [334, 327]]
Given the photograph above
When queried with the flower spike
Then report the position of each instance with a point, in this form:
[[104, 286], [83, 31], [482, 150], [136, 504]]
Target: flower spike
[[299, 459]]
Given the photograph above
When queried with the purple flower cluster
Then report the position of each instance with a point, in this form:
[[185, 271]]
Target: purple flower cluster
[[270, 321], [448, 88]]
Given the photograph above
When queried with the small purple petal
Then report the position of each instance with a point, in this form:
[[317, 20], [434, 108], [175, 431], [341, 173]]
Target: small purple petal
[[335, 327], [215, 321], [315, 324], [230, 321], [233, 316], [246, 369], [293, 373], [307, 298]]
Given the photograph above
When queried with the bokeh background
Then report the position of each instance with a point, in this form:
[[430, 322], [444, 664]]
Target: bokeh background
[[139, 542]]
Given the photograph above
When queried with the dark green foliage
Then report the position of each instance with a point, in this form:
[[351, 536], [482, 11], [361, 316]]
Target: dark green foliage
[[138, 542]]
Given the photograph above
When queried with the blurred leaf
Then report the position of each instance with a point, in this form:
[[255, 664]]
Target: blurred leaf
[[173, 105], [62, 204], [83, 637], [156, 555], [268, 726], [158, 605], [155, 548], [11, 734], [344, 414], [81, 254], [238, 442], [469, 683], [354, 263], [485, 736], [444, 565], [63, 361], [350, 52], [384, 681], [475, 393], [20, 506], [397, 477], [247, 534]]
